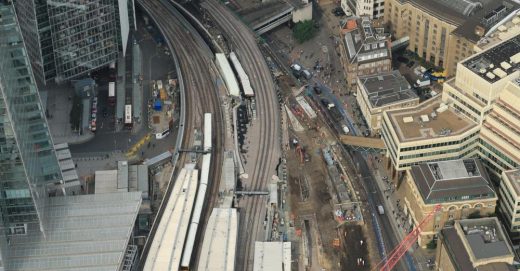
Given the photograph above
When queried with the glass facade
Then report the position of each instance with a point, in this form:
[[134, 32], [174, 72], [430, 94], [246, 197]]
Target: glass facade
[[66, 39], [28, 162], [84, 35]]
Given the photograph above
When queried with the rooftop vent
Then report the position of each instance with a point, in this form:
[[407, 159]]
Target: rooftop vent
[[408, 119], [490, 75], [505, 65], [499, 72], [425, 118], [443, 107], [483, 70]]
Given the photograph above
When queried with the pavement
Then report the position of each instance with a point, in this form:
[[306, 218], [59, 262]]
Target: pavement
[[58, 115]]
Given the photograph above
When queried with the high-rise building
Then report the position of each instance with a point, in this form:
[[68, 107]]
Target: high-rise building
[[67, 39], [444, 32], [477, 116], [510, 202], [28, 164]]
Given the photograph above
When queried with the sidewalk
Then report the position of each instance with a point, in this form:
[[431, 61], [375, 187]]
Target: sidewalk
[[58, 115]]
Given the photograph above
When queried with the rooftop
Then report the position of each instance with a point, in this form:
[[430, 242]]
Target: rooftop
[[363, 42], [449, 181], [514, 179], [467, 15], [502, 31], [429, 120], [497, 62], [219, 243], [471, 241], [387, 88], [87, 232], [272, 256]]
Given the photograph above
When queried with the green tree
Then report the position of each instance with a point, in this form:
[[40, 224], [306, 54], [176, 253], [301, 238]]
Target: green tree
[[303, 31]]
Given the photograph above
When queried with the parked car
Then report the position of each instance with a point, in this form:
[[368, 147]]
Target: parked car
[[317, 89]]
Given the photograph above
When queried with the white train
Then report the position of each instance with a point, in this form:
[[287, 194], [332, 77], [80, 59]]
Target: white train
[[242, 76], [201, 194]]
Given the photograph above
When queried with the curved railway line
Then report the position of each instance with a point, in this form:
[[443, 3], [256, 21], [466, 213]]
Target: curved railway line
[[200, 92], [245, 44]]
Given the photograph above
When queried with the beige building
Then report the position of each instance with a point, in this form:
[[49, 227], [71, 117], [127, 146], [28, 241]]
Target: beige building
[[444, 32], [474, 244], [477, 116], [364, 50], [510, 202], [384, 91], [374, 9], [461, 187]]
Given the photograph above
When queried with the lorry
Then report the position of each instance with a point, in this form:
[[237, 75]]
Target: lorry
[[296, 69], [380, 209], [422, 83]]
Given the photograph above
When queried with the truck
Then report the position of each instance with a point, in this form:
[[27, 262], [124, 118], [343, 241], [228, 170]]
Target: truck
[[380, 209], [422, 83]]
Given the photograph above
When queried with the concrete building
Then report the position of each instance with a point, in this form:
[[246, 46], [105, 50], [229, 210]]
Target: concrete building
[[68, 39], [374, 9], [477, 116], [445, 32], [431, 131], [510, 202], [461, 187], [474, 244], [377, 93], [365, 50], [487, 91]]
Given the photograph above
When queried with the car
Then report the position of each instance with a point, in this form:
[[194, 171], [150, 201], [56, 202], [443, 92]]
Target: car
[[317, 89], [403, 59], [325, 102], [339, 13]]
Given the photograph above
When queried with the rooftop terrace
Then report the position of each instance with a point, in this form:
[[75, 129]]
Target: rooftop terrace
[[496, 62], [387, 88], [429, 120]]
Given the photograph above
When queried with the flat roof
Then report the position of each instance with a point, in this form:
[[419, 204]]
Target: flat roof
[[272, 256], [219, 243], [168, 243], [450, 181], [496, 62], [83, 232], [514, 179], [259, 14], [479, 239], [417, 123], [387, 88], [505, 30]]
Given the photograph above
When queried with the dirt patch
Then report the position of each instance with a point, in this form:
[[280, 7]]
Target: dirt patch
[[355, 248]]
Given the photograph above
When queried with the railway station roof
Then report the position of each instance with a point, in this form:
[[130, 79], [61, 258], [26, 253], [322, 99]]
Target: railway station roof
[[272, 256], [84, 232], [219, 243]]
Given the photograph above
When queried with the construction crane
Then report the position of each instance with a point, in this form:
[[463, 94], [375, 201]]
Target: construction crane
[[395, 255]]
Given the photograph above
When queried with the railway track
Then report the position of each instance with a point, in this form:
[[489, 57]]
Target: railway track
[[201, 94], [245, 44]]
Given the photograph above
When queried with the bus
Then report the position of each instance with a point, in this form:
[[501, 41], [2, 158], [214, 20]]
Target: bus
[[128, 116], [112, 93]]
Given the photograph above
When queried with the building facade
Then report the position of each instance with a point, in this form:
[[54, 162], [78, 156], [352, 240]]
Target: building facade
[[374, 9], [478, 111], [68, 39], [510, 202], [445, 32], [28, 164], [365, 50], [461, 187], [385, 91]]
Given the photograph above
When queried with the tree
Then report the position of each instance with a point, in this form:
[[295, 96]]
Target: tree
[[303, 31]]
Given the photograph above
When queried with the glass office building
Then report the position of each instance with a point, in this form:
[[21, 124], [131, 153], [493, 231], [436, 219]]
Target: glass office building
[[28, 164]]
